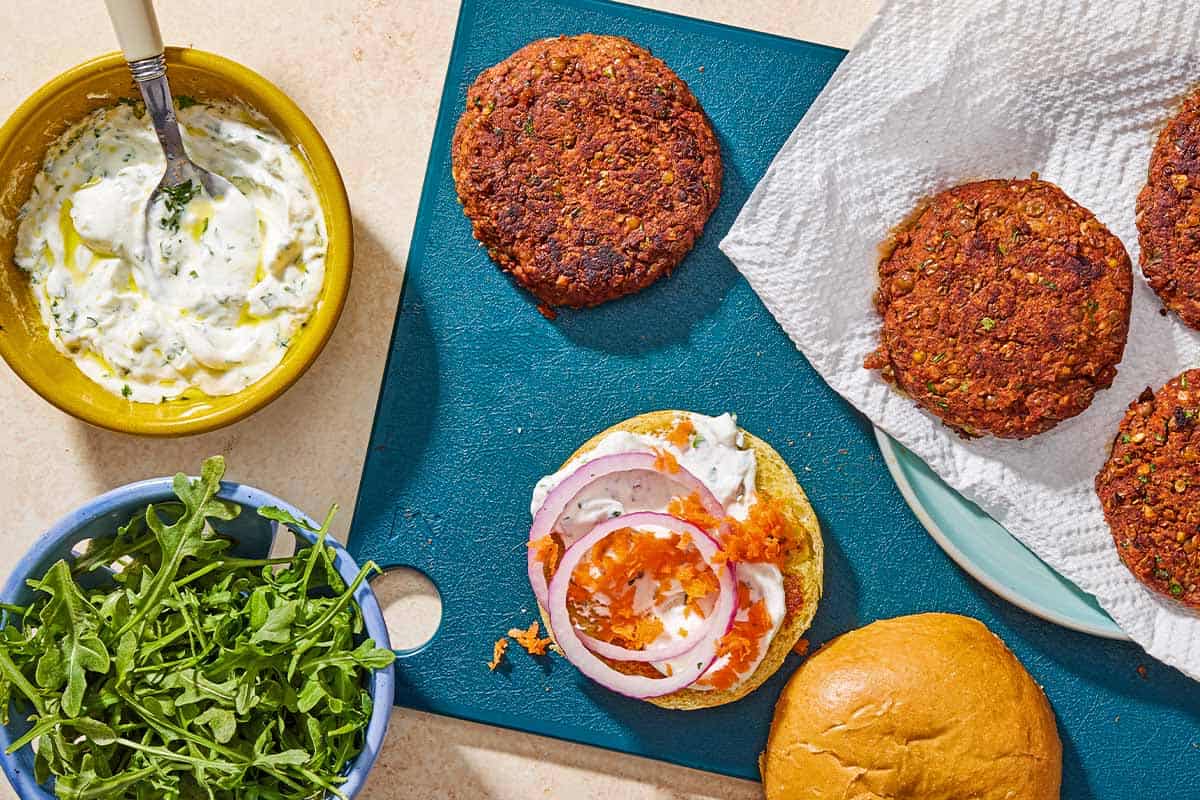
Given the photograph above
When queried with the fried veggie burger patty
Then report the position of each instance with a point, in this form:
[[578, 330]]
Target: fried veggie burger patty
[[1005, 307], [1168, 215], [586, 166], [1150, 489]]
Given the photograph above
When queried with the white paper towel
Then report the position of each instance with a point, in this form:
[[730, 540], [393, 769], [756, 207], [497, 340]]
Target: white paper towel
[[939, 93]]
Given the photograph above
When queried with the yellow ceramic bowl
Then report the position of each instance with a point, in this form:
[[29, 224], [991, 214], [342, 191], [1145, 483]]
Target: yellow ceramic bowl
[[24, 341]]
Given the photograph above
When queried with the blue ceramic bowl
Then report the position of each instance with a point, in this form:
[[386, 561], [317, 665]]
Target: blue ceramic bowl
[[253, 534]]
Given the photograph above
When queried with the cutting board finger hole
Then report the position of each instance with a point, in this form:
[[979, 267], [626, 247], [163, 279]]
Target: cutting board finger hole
[[412, 607]]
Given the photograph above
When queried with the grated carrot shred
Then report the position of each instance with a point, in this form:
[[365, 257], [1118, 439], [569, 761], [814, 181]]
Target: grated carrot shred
[[690, 509], [528, 639], [764, 536], [681, 434], [801, 648], [498, 650], [665, 461], [613, 569], [741, 644], [545, 550], [697, 583], [639, 633]]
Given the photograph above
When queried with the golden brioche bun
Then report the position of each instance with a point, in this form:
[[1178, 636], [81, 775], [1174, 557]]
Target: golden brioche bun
[[802, 571], [924, 707]]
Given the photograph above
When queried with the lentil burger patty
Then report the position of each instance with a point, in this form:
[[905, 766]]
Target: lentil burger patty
[[1150, 489], [1168, 215], [586, 166], [1005, 306]]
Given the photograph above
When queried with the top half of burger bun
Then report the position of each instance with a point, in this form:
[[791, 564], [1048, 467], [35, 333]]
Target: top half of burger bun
[[924, 707]]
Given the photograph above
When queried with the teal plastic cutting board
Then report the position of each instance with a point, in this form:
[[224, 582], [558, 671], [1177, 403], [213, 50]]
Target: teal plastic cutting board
[[482, 396]]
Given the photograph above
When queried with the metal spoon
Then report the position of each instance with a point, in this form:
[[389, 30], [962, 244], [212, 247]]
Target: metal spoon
[[137, 31]]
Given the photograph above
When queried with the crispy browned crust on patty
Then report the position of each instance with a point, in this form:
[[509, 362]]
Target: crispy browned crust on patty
[[1168, 214], [1005, 307], [1150, 489], [586, 166]]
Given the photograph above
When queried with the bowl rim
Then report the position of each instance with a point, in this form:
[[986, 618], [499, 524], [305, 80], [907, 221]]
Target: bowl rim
[[336, 205], [153, 490]]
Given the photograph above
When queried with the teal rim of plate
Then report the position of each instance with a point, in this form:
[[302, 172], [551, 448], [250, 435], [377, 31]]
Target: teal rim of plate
[[988, 552]]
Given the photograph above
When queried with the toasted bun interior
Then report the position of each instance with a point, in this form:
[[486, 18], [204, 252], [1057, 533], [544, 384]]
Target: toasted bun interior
[[802, 572], [924, 707]]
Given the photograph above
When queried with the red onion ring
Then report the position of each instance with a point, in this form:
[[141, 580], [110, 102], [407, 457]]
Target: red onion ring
[[562, 495], [662, 652], [704, 650], [708, 548]]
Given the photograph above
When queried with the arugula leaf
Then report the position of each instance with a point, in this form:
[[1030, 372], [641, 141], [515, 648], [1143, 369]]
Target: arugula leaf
[[13, 677], [277, 627], [80, 649], [191, 673], [278, 514], [42, 726], [126, 653], [95, 730], [221, 722], [185, 537], [87, 785], [365, 655]]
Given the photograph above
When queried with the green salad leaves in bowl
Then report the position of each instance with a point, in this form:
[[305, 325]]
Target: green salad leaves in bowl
[[152, 648]]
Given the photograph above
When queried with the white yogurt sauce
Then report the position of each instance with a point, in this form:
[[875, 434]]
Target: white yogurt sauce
[[212, 298], [765, 582], [717, 456]]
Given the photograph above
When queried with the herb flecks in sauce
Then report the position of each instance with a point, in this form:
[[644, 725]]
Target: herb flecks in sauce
[[175, 200]]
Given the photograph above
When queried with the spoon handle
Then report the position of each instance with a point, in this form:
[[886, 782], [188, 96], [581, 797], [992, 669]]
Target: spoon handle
[[136, 27], [157, 95], [137, 31]]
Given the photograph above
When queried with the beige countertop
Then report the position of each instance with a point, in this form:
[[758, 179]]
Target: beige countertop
[[369, 73]]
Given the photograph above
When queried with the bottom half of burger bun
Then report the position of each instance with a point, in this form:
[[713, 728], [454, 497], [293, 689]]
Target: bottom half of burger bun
[[802, 569], [923, 707]]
